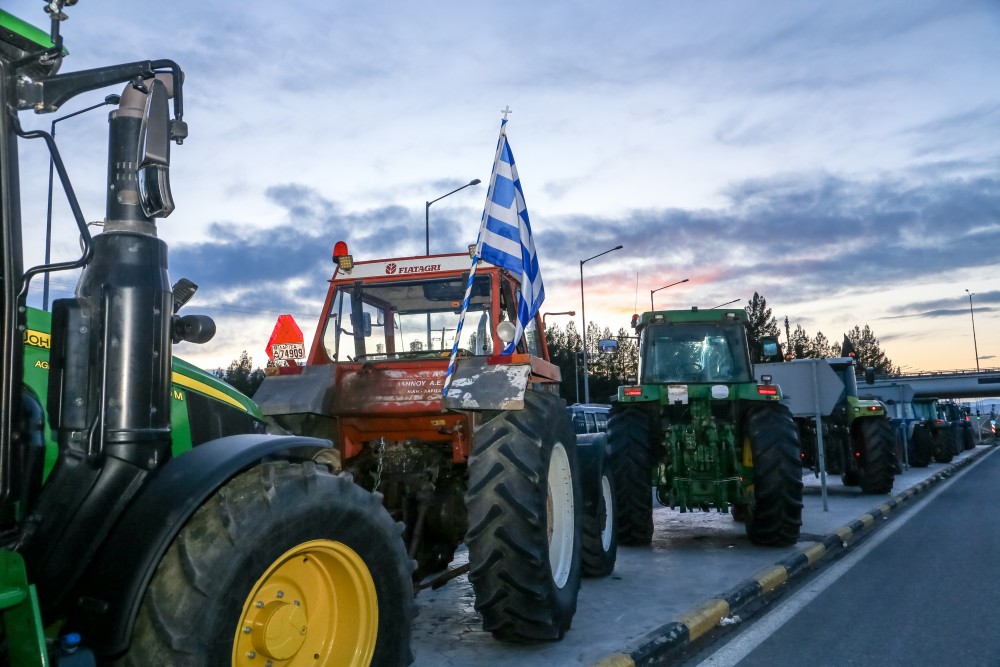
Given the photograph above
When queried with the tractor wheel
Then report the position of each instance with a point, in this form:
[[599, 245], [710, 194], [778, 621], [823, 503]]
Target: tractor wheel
[[286, 564], [955, 439], [921, 447], [525, 504], [968, 439], [878, 454], [599, 535], [943, 452], [631, 464], [774, 515]]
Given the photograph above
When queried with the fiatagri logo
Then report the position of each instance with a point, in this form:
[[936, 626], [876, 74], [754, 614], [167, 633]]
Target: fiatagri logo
[[391, 268]]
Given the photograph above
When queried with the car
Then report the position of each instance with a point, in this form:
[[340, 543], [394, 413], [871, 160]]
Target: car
[[589, 417]]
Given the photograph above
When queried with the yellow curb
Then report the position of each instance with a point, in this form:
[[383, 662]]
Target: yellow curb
[[772, 577], [814, 553], [705, 618], [616, 660]]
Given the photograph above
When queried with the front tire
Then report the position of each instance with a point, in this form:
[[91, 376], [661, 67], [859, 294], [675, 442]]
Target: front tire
[[632, 467], [774, 515], [524, 504], [288, 563]]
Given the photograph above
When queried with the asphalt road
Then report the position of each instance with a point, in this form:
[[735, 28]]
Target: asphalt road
[[922, 590], [693, 557]]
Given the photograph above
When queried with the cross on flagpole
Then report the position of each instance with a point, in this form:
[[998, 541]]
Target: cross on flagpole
[[506, 110]]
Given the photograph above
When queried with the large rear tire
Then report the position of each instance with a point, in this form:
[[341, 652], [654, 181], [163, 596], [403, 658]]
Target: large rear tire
[[632, 466], [968, 438], [921, 447], [599, 533], [943, 452], [285, 563], [878, 454], [524, 503], [774, 515]]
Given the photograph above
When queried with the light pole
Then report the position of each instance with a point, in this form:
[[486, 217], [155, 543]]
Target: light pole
[[571, 313], [583, 316], [972, 314], [724, 304], [110, 99], [427, 214]]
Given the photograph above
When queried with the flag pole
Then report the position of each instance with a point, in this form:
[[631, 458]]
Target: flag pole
[[475, 261]]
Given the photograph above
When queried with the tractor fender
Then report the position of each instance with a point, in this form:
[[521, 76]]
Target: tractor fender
[[109, 593]]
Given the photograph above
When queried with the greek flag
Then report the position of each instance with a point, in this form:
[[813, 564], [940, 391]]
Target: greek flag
[[505, 235]]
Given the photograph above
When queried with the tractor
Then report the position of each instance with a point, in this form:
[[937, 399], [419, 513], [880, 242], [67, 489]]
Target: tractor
[[493, 463], [157, 537], [703, 431]]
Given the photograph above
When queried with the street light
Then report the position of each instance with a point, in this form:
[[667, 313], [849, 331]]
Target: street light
[[972, 314], [654, 291], [427, 213], [583, 316], [110, 99], [571, 313], [724, 304]]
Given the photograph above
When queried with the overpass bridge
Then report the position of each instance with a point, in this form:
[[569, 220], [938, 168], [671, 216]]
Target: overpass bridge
[[984, 383]]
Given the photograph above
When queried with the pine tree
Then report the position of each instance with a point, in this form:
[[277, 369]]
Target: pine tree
[[869, 351], [242, 375], [761, 324]]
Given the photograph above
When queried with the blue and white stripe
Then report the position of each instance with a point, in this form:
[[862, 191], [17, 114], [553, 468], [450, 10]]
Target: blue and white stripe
[[505, 235], [505, 240]]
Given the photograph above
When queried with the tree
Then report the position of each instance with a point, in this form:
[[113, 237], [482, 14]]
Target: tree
[[607, 370], [761, 324], [869, 352], [242, 375]]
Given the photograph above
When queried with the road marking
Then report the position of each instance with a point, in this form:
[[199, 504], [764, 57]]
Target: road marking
[[741, 646]]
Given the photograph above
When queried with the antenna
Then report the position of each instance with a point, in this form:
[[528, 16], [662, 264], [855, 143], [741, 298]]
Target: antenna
[[635, 308]]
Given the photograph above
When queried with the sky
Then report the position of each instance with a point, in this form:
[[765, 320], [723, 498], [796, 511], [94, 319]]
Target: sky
[[840, 159]]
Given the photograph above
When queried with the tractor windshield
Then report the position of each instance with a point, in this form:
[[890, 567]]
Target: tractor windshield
[[417, 318], [694, 352]]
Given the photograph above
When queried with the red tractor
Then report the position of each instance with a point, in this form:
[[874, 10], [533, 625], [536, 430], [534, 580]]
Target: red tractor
[[494, 463]]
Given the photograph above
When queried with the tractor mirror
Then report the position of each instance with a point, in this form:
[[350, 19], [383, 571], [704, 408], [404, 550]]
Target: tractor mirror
[[366, 324], [154, 154], [770, 350], [870, 375], [607, 346]]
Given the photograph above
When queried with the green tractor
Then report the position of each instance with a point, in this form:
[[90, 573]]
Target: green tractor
[[157, 535], [703, 431]]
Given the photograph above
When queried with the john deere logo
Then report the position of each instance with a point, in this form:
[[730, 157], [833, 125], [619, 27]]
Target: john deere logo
[[390, 268], [37, 339]]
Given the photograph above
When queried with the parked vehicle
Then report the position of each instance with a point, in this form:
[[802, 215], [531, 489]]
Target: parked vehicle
[[494, 464], [589, 417], [150, 540], [703, 431]]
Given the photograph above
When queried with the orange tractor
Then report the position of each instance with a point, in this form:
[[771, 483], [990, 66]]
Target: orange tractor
[[493, 463]]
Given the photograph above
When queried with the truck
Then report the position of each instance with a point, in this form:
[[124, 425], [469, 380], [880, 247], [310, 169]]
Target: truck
[[703, 430], [858, 440], [493, 464], [146, 540]]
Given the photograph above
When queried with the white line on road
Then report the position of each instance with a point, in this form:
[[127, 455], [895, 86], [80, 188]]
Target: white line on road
[[741, 646]]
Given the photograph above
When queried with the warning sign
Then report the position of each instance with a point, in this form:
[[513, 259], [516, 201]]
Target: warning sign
[[286, 342]]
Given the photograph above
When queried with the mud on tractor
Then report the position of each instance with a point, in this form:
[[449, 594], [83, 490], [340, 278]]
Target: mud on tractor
[[152, 540], [494, 464], [699, 428]]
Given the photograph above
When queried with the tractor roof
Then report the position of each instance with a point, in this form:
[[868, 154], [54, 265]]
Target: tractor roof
[[410, 267], [693, 315]]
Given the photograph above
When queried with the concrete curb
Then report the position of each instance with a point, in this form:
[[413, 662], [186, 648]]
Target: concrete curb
[[659, 646]]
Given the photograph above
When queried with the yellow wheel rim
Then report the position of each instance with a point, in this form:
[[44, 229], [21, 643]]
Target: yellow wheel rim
[[316, 605]]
